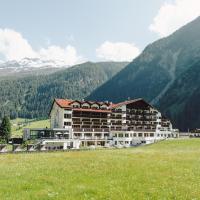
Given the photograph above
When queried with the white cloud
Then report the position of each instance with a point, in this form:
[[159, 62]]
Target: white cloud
[[14, 47], [67, 54], [172, 16], [118, 51]]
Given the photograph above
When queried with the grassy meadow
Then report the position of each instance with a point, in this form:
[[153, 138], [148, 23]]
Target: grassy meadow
[[19, 124], [166, 170]]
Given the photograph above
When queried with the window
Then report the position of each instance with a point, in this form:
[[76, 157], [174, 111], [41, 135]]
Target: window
[[67, 116], [139, 134], [85, 107], [151, 135], [126, 135], [95, 106], [103, 107], [67, 123], [76, 106]]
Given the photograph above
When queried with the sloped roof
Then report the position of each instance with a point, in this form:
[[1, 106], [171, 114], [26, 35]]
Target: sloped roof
[[63, 103], [125, 103], [66, 103]]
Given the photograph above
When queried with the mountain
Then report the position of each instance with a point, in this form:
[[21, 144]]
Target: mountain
[[153, 73], [182, 101], [28, 66], [31, 96]]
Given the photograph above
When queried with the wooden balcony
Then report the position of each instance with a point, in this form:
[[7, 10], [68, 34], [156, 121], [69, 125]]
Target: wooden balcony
[[117, 111], [86, 120], [90, 129], [88, 123], [118, 117], [140, 129], [77, 122], [120, 124], [97, 124]]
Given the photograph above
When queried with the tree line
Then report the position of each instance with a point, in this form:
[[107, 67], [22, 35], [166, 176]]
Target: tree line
[[5, 130]]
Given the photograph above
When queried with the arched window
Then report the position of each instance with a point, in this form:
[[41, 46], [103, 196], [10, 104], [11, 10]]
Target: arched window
[[85, 105]]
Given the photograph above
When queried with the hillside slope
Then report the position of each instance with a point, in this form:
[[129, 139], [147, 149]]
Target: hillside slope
[[182, 101], [156, 71], [152, 73], [31, 97]]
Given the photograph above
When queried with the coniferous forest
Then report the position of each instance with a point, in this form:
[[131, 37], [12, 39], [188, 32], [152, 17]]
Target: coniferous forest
[[32, 96]]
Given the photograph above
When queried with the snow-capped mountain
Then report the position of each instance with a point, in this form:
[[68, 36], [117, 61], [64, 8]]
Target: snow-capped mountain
[[30, 66]]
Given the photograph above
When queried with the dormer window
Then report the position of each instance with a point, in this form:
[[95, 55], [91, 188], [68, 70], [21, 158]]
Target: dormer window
[[95, 106], [76, 104], [85, 105], [104, 107]]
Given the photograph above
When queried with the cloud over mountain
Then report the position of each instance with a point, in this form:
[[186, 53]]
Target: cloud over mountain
[[172, 16], [118, 51], [13, 46]]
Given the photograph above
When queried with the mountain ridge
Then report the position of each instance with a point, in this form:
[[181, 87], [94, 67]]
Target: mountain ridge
[[155, 70]]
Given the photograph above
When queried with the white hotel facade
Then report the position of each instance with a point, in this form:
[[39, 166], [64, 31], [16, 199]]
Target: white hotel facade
[[76, 124]]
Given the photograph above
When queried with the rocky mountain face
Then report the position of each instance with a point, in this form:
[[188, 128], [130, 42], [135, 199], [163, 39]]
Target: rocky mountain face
[[28, 66], [154, 73]]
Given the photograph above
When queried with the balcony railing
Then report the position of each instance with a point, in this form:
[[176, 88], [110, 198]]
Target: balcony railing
[[91, 129], [78, 122], [92, 137], [117, 111], [90, 116]]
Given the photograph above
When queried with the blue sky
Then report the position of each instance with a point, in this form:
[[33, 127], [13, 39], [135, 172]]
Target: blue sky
[[82, 27]]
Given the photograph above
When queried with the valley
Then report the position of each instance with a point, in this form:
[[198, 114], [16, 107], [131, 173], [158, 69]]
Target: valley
[[166, 170], [154, 75]]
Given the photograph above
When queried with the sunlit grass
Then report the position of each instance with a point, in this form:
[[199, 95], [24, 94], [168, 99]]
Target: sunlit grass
[[17, 129], [166, 170]]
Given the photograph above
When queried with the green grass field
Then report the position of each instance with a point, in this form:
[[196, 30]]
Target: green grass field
[[17, 130], [166, 170]]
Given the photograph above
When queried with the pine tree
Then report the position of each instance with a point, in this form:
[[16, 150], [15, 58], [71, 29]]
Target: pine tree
[[5, 128]]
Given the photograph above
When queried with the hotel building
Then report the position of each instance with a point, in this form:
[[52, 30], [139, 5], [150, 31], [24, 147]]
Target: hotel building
[[76, 124]]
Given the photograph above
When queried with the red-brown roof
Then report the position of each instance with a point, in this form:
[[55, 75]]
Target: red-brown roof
[[66, 103], [63, 103]]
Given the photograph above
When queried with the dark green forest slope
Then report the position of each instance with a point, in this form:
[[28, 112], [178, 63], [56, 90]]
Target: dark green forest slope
[[32, 96], [182, 101]]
